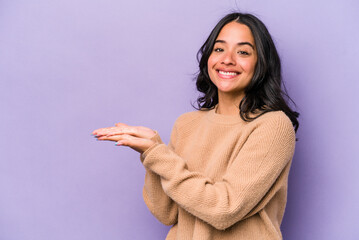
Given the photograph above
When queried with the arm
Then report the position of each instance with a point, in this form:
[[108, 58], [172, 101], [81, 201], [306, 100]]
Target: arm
[[157, 201], [241, 192], [140, 138]]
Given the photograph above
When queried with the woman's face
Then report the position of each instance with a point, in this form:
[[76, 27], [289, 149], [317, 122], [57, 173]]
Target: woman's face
[[232, 62]]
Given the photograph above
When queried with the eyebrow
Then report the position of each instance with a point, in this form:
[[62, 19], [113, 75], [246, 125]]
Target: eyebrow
[[240, 43]]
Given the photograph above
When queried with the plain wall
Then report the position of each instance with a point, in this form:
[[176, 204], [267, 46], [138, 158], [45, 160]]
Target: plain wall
[[69, 67]]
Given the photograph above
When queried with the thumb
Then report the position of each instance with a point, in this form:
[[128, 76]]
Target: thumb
[[121, 125]]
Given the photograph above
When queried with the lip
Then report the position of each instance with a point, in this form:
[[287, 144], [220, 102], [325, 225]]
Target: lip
[[227, 76]]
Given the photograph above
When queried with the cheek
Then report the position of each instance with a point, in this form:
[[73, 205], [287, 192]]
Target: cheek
[[211, 62], [210, 66], [248, 66]]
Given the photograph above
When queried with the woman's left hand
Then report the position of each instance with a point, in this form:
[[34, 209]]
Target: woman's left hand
[[136, 137]]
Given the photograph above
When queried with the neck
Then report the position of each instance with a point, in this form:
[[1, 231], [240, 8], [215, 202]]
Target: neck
[[228, 105]]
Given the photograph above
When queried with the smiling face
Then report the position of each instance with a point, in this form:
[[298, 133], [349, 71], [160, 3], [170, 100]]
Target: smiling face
[[232, 62]]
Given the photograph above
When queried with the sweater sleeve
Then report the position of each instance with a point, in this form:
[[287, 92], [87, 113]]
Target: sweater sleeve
[[157, 201], [264, 155]]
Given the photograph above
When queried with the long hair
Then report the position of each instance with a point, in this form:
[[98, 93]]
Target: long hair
[[266, 91]]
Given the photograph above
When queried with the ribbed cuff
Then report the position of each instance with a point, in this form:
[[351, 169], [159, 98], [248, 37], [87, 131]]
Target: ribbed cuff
[[157, 139]]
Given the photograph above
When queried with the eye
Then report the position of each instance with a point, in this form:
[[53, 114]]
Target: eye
[[218, 50], [243, 53]]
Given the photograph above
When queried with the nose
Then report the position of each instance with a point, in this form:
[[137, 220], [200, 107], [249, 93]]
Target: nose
[[228, 59]]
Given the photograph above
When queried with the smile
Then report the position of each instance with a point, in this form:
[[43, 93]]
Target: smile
[[228, 73]]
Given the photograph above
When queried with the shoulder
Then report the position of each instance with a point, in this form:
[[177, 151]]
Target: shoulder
[[276, 122], [275, 117], [190, 117]]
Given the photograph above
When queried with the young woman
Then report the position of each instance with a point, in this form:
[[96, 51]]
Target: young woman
[[224, 173]]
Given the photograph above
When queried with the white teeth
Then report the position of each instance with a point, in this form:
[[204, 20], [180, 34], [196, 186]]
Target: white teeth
[[228, 73]]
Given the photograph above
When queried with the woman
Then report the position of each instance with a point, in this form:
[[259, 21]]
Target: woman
[[224, 173]]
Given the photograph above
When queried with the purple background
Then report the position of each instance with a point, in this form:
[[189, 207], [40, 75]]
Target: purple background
[[69, 67]]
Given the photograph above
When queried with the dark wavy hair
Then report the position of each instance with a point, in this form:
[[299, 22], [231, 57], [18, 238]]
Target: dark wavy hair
[[266, 91]]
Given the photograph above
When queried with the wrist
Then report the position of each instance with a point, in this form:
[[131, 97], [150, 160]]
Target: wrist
[[156, 137]]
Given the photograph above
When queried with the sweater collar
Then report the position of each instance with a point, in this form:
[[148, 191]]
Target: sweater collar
[[223, 119]]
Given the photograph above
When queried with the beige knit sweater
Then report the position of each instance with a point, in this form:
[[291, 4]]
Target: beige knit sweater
[[221, 177]]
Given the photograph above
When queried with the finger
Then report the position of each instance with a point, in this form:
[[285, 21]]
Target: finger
[[129, 130], [98, 132], [111, 131], [137, 131], [115, 138], [95, 132], [104, 131]]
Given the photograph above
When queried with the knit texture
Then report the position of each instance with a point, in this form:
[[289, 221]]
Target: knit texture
[[221, 177]]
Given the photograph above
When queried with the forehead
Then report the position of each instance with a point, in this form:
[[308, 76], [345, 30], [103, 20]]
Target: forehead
[[235, 32]]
